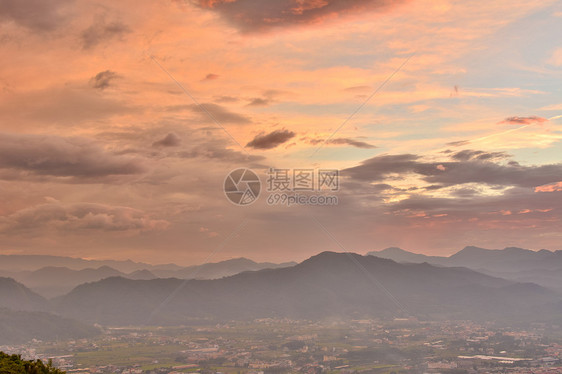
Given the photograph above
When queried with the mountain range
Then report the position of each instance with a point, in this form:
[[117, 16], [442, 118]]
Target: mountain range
[[25, 315], [33, 262], [542, 267], [329, 285], [52, 281], [19, 327], [16, 296]]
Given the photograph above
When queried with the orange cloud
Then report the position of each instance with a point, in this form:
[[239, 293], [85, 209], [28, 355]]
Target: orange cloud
[[555, 187]]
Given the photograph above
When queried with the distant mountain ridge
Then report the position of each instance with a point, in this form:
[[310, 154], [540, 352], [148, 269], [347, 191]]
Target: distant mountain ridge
[[327, 285], [19, 327], [52, 281], [25, 315], [543, 267], [17, 263], [400, 255], [16, 296], [33, 262], [221, 269]]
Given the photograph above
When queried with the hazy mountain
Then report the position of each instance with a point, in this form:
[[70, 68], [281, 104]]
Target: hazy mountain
[[141, 274], [16, 296], [18, 327], [24, 316], [219, 269], [542, 267], [53, 281], [507, 259], [16, 263], [327, 285], [547, 278], [400, 255]]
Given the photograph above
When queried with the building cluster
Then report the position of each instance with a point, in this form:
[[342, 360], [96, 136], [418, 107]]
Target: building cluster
[[272, 346]]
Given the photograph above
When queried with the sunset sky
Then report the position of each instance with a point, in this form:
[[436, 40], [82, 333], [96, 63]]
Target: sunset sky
[[443, 117]]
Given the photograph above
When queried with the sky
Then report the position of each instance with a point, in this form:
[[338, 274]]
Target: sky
[[120, 122]]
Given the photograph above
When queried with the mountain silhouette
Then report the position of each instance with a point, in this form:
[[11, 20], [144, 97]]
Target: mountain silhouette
[[54, 281], [543, 267], [327, 285], [16, 296]]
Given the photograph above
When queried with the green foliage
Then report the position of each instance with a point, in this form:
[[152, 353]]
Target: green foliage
[[13, 364]]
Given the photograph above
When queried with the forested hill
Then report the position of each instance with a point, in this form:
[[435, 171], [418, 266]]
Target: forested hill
[[13, 364]]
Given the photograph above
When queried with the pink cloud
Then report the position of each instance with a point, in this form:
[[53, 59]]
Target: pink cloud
[[554, 187]]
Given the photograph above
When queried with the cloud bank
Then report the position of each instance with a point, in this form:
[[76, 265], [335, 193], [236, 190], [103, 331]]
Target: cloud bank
[[77, 158], [257, 15], [468, 167], [80, 216]]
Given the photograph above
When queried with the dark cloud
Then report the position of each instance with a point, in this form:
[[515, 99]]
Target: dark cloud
[[268, 98], [358, 89], [271, 140], [352, 142], [458, 143], [208, 143], [55, 156], [256, 15], [226, 99], [36, 15], [258, 101], [433, 187], [210, 77], [491, 173], [101, 31], [465, 192], [80, 216], [469, 154], [341, 141], [219, 112], [471, 167], [465, 204], [523, 120], [170, 140], [380, 187], [270, 94], [224, 155], [103, 79], [380, 167]]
